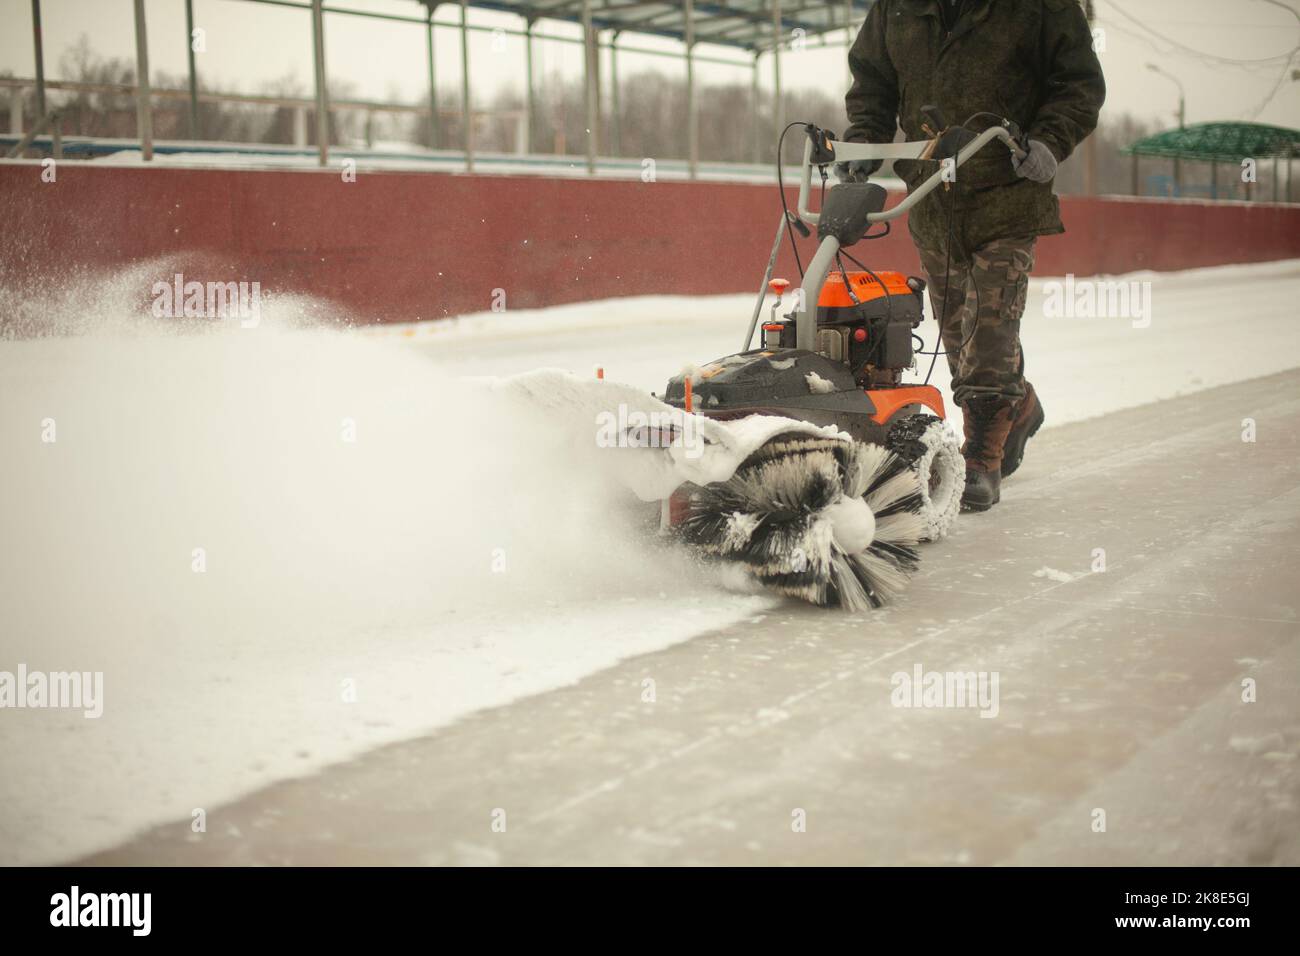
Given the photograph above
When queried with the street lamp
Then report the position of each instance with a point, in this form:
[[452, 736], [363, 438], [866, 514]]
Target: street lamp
[[1182, 120], [1182, 94]]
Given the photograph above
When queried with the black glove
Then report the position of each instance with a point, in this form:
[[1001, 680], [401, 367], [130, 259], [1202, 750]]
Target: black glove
[[856, 170]]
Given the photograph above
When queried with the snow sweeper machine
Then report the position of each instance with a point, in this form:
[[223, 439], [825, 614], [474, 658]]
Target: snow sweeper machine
[[808, 462]]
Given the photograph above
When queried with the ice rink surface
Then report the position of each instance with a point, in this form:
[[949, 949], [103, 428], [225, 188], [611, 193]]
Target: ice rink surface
[[611, 702], [1119, 733]]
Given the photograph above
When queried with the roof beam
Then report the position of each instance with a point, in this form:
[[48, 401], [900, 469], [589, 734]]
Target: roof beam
[[722, 22]]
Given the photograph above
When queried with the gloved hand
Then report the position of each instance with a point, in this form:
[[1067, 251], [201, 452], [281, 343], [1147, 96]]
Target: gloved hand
[[856, 170], [1038, 163]]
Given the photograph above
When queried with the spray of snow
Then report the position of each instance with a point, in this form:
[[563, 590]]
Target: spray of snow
[[740, 528], [282, 546], [711, 450]]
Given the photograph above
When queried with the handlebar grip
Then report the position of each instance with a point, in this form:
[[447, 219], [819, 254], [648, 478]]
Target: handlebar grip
[[938, 122], [1019, 140]]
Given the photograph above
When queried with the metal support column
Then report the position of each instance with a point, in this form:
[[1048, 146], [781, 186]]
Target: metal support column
[[467, 117], [529, 84], [1277, 173], [194, 72], [589, 86], [433, 80], [778, 106], [848, 38], [143, 111], [615, 101], [322, 95], [692, 110], [1090, 142], [38, 43], [1214, 180]]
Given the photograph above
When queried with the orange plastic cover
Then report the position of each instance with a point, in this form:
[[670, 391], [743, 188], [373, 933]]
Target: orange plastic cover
[[864, 286], [890, 400]]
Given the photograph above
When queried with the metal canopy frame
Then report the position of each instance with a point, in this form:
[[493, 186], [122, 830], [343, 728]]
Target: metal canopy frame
[[1221, 142], [742, 24], [756, 26]]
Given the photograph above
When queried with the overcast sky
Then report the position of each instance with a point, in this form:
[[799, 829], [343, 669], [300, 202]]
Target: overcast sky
[[249, 45]]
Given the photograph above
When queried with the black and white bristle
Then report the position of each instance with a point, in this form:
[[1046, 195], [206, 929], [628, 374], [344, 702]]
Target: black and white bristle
[[829, 521]]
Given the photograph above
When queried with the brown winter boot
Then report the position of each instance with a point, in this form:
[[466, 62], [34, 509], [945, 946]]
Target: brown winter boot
[[987, 423], [1028, 419]]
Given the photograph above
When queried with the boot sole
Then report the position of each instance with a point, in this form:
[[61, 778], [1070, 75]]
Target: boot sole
[[969, 505], [1014, 454]]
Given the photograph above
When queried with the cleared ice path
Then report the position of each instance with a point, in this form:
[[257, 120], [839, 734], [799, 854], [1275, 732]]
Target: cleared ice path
[[1134, 595]]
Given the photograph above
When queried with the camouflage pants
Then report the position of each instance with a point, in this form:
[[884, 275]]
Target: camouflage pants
[[980, 316]]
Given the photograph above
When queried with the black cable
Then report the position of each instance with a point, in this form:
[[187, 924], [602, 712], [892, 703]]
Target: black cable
[[947, 273], [939, 319], [997, 120], [889, 303], [780, 186], [853, 297], [889, 298], [848, 286], [1203, 55]]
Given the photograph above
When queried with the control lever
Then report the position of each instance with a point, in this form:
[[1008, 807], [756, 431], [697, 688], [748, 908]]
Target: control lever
[[1019, 137], [935, 123], [948, 141], [823, 153]]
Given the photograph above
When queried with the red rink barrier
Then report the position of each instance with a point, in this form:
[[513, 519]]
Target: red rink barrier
[[397, 246]]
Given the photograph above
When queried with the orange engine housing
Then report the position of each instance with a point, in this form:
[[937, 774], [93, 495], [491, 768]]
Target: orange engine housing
[[835, 295]]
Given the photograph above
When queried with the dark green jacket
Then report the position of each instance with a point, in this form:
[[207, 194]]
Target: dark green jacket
[[1029, 60]]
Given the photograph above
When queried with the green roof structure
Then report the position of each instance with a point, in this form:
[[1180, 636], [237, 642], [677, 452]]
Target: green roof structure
[[1220, 142], [1236, 144]]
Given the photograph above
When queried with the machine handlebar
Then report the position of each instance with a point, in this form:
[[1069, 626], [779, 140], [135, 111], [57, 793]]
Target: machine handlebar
[[814, 150]]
